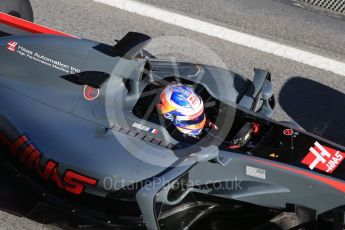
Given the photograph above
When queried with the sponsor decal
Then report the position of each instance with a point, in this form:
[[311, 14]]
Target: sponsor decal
[[193, 100], [169, 116], [256, 172], [145, 128], [38, 57], [90, 93], [323, 158], [12, 46], [32, 157], [288, 132]]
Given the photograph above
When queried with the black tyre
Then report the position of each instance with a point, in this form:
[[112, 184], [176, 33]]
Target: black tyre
[[18, 8]]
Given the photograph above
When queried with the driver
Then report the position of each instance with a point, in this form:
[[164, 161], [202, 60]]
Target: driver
[[184, 108]]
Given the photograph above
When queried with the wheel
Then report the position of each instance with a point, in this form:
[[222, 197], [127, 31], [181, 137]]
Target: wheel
[[18, 8]]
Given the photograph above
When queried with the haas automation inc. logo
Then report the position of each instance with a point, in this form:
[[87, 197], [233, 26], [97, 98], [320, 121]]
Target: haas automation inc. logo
[[12, 46], [323, 158]]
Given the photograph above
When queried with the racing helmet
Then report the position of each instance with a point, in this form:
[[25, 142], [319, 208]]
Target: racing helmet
[[184, 108]]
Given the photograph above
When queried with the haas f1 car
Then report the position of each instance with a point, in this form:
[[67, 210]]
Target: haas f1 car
[[83, 145]]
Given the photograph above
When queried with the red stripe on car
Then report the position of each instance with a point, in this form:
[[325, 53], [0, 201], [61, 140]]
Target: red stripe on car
[[29, 26], [331, 182]]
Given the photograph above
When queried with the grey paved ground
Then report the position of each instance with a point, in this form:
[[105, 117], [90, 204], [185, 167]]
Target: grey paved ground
[[312, 97]]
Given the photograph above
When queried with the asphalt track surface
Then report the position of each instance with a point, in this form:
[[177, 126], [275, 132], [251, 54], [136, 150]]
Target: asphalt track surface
[[312, 97]]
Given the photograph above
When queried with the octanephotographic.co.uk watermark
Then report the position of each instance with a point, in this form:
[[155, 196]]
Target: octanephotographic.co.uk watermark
[[114, 184]]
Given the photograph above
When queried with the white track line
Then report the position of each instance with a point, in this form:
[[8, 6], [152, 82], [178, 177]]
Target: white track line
[[230, 35]]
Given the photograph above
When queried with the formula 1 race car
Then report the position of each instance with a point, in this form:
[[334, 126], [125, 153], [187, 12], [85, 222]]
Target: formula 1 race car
[[83, 145]]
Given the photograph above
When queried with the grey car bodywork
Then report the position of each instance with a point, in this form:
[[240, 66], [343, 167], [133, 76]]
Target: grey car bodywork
[[43, 84]]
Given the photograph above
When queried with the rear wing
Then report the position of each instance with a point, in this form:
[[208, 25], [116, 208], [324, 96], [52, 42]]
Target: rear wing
[[12, 26]]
